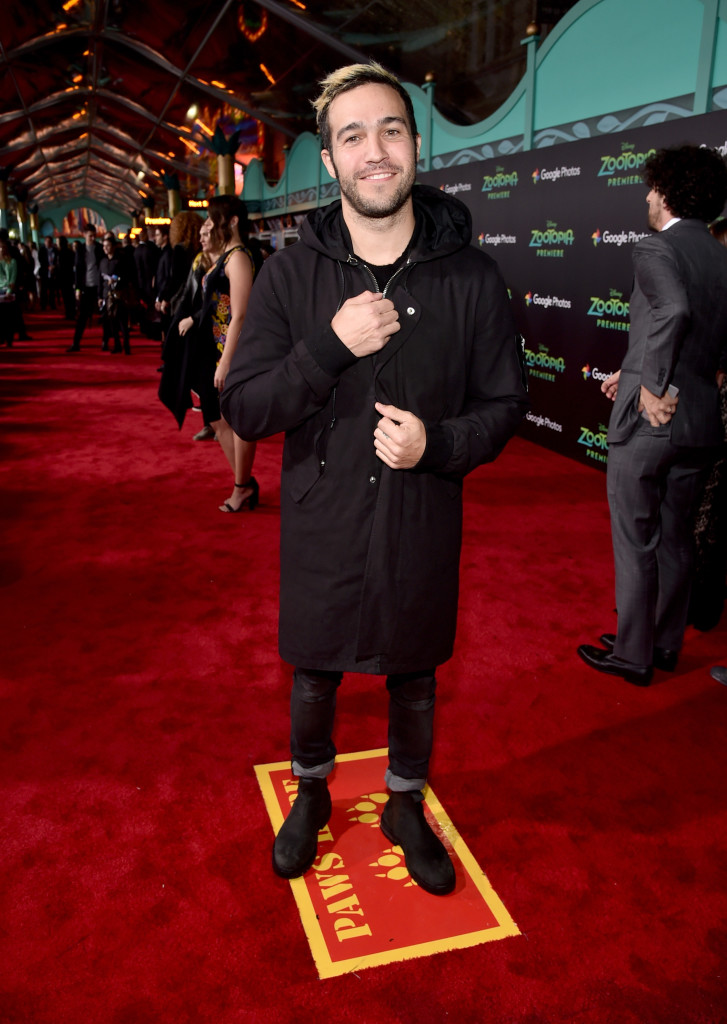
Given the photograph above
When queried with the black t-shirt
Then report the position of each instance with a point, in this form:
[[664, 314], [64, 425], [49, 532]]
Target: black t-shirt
[[382, 274]]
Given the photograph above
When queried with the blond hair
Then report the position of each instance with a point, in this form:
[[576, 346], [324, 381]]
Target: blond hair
[[350, 77]]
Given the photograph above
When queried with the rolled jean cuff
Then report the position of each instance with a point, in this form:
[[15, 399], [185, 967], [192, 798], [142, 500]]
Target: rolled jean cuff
[[398, 785], [319, 771]]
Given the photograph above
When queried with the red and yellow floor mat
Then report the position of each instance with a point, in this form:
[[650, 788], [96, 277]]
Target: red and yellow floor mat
[[359, 906]]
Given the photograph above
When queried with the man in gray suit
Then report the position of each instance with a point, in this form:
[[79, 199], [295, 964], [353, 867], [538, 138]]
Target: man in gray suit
[[666, 420]]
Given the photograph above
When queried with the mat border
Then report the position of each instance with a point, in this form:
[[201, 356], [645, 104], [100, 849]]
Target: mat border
[[329, 968]]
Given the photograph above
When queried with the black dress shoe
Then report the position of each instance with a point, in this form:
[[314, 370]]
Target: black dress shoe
[[296, 844], [403, 823], [719, 672], [664, 659], [606, 661]]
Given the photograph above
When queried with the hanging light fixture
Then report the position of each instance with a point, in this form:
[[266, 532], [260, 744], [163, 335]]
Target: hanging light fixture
[[254, 28]]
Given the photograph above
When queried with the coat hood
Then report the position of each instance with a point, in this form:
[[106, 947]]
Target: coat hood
[[444, 225]]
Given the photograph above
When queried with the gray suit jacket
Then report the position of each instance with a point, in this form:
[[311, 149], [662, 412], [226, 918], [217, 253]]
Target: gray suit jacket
[[678, 333]]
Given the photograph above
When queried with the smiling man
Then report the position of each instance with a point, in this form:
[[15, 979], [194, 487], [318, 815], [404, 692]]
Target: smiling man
[[383, 345]]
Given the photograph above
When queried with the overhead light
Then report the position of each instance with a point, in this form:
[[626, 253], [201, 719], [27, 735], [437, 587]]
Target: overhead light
[[140, 175], [192, 112], [267, 74]]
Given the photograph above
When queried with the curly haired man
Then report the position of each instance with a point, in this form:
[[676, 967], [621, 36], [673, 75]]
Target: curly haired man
[[666, 421]]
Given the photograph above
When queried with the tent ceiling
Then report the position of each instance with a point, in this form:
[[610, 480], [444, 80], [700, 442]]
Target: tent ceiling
[[95, 94]]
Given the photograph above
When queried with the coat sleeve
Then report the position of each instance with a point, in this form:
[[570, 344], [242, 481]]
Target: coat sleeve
[[278, 379], [496, 396], [657, 275]]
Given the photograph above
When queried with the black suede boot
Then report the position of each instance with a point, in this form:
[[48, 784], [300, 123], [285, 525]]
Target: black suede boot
[[403, 823], [296, 844]]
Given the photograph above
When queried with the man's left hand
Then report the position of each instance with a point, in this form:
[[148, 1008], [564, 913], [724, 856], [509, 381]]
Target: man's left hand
[[400, 437]]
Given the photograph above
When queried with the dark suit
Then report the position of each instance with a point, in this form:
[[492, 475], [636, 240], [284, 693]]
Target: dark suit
[[678, 336], [88, 300]]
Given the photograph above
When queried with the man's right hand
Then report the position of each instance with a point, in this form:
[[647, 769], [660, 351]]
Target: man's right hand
[[365, 323]]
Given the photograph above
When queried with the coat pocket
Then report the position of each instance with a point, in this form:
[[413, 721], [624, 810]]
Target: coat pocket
[[306, 464]]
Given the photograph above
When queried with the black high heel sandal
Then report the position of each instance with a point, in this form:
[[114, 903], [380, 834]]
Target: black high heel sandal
[[252, 500]]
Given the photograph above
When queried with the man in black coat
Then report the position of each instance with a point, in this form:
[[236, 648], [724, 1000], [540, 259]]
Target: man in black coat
[[87, 282], [383, 345], [146, 258], [164, 281], [666, 422], [48, 258]]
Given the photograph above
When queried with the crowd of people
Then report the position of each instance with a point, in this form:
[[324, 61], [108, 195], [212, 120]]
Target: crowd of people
[[66, 275], [187, 287], [144, 272], [19, 286]]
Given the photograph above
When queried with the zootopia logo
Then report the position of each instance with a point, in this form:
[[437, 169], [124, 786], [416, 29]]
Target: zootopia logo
[[499, 180], [608, 307], [544, 361], [621, 170], [592, 438], [594, 442], [552, 236]]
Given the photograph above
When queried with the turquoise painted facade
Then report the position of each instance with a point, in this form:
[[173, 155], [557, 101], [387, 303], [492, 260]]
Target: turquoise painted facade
[[609, 65], [54, 215]]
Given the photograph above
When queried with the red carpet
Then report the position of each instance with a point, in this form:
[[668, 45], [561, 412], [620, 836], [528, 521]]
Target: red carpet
[[141, 685]]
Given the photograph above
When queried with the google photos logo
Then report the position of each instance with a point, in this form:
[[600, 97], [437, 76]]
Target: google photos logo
[[596, 236], [586, 371]]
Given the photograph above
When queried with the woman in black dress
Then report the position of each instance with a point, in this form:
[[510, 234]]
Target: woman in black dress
[[226, 289]]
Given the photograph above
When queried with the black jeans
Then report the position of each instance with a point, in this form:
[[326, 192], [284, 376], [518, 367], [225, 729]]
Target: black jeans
[[87, 306], [411, 719]]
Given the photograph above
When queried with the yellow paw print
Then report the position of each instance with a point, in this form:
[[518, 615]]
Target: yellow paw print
[[368, 809], [393, 861]]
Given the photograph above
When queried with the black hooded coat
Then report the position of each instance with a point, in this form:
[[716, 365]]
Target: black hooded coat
[[370, 555]]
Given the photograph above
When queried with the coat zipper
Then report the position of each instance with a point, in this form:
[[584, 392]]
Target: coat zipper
[[354, 262]]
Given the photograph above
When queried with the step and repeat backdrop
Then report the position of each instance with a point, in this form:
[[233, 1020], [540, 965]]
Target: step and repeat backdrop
[[561, 223]]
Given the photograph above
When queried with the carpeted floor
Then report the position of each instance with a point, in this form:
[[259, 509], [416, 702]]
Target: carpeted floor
[[141, 684]]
